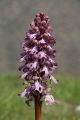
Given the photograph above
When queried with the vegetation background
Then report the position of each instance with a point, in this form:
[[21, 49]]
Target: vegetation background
[[15, 17]]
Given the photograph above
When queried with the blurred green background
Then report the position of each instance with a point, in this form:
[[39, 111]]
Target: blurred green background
[[66, 93], [15, 17]]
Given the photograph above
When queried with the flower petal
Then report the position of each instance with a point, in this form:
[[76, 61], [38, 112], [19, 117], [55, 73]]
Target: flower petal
[[49, 99], [22, 59], [41, 54], [34, 65], [46, 72], [42, 41], [53, 80], [32, 36], [24, 75], [33, 50], [23, 93], [49, 47], [38, 87]]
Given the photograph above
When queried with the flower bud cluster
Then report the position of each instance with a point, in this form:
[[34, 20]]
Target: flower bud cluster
[[37, 59]]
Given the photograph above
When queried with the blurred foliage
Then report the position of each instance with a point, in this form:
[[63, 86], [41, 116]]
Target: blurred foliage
[[67, 94]]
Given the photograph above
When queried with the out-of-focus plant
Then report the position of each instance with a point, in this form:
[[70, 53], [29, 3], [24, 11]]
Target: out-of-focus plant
[[37, 63]]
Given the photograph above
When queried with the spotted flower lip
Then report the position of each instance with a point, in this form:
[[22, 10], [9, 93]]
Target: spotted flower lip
[[41, 54], [38, 59], [42, 41], [34, 65], [38, 87], [33, 50], [46, 71], [24, 75]]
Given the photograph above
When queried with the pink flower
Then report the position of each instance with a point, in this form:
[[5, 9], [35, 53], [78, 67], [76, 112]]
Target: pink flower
[[51, 60], [23, 93], [29, 65], [31, 36], [49, 47], [38, 87], [53, 68], [49, 99], [22, 59], [34, 65], [49, 34], [35, 77], [45, 69], [42, 41], [42, 54], [33, 50], [24, 75], [26, 49], [47, 91], [53, 80], [23, 44]]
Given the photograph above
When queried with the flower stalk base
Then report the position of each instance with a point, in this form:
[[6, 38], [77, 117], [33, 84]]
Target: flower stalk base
[[38, 106]]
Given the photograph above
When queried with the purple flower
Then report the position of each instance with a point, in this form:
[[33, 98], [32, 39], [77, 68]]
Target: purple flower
[[38, 87], [42, 41], [31, 36], [34, 65], [24, 75], [49, 47], [46, 71], [37, 59], [41, 55], [33, 50]]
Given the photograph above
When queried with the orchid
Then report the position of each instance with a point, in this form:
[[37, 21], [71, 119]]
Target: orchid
[[37, 60]]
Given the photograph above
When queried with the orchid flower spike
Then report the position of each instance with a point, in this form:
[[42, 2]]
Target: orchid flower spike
[[37, 59]]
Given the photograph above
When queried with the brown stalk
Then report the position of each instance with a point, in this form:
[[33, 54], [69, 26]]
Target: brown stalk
[[38, 106]]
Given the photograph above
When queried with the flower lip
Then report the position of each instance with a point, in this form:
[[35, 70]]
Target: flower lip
[[45, 71], [41, 54], [49, 99], [34, 65], [53, 80], [23, 76], [38, 87], [42, 41]]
